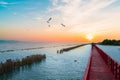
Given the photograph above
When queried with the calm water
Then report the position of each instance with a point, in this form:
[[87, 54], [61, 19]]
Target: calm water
[[54, 67], [112, 51]]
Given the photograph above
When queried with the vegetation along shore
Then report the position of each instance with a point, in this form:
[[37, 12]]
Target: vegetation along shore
[[10, 65]]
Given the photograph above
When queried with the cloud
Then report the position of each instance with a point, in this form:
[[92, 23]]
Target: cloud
[[85, 15], [5, 3], [14, 13]]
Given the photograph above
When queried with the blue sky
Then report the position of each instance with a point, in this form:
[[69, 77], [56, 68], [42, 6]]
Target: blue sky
[[10, 10], [85, 17]]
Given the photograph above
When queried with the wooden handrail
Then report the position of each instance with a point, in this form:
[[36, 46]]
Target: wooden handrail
[[87, 70], [112, 64]]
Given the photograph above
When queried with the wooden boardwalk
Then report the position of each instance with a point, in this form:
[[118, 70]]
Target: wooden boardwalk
[[99, 68]]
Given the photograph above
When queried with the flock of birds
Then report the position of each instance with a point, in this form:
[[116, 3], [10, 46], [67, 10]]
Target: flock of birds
[[48, 21]]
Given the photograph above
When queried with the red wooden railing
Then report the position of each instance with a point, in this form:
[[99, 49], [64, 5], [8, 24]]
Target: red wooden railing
[[112, 64], [86, 74]]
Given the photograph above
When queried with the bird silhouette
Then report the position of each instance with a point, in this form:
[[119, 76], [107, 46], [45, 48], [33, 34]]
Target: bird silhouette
[[63, 25], [48, 25], [49, 20]]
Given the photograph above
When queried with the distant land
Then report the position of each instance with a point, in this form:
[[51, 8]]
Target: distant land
[[12, 41], [110, 42], [104, 42], [8, 41]]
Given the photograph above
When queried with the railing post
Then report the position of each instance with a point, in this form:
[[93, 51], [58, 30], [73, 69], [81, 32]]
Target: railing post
[[87, 71], [109, 62], [113, 67], [115, 70], [112, 64], [119, 72]]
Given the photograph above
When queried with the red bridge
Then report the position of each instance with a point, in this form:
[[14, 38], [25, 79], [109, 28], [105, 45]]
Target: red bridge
[[101, 66]]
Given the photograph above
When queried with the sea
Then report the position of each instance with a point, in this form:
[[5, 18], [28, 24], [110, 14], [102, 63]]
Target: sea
[[69, 65]]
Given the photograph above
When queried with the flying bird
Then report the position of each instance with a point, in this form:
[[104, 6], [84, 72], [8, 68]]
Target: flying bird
[[48, 25], [63, 25], [49, 20]]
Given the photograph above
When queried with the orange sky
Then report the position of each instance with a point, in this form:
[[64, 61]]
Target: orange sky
[[55, 36], [84, 21]]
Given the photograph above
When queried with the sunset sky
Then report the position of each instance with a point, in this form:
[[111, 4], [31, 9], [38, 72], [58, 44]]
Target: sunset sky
[[84, 20]]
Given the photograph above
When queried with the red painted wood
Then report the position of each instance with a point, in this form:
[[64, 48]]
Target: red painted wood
[[101, 66], [114, 65], [87, 71], [86, 74]]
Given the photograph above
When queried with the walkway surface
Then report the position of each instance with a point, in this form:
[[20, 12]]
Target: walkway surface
[[99, 70]]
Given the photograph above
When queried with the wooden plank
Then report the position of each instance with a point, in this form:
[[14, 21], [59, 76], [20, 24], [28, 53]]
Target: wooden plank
[[99, 70]]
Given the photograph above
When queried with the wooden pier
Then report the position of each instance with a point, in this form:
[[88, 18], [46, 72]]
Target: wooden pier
[[101, 66]]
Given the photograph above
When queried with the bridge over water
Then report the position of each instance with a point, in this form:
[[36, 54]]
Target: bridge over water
[[101, 66]]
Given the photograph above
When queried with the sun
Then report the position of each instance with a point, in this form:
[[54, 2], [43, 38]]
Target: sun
[[89, 36]]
